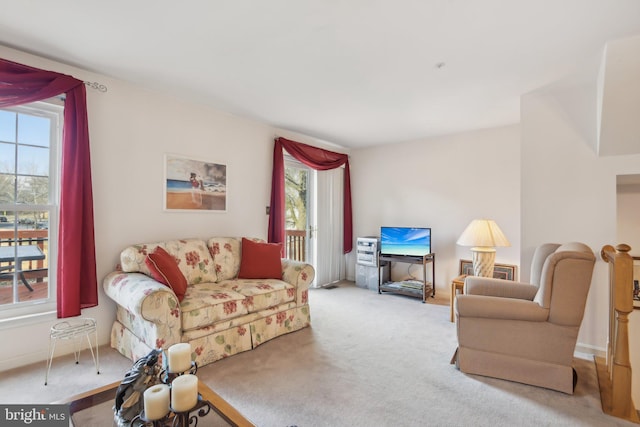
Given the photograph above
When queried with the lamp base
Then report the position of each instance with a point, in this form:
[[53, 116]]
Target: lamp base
[[483, 261]]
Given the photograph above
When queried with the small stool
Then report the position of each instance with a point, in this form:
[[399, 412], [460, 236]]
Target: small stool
[[74, 329], [457, 284]]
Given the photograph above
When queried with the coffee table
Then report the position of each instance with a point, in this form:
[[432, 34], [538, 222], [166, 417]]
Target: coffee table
[[95, 408]]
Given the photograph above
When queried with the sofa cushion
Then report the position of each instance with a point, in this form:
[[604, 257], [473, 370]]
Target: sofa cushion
[[226, 256], [260, 260], [194, 260], [208, 303], [261, 293], [164, 268]]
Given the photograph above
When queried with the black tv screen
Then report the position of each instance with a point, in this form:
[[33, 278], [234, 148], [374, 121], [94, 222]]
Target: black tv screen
[[410, 241]]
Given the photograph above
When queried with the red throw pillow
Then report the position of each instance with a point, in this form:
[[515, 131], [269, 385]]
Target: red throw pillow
[[260, 260], [164, 269]]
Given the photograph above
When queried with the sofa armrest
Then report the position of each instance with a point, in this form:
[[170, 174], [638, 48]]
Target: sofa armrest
[[299, 274], [474, 285], [490, 307], [147, 300]]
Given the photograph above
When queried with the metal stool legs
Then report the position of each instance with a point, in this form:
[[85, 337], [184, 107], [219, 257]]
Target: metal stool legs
[[74, 329]]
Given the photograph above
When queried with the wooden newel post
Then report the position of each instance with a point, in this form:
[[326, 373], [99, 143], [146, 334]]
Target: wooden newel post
[[615, 388]]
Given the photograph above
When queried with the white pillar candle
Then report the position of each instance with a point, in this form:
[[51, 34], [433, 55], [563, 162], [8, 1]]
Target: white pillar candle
[[184, 393], [179, 357], [156, 401]]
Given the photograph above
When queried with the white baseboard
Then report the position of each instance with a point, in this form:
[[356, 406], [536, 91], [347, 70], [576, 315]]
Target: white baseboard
[[586, 351], [63, 348]]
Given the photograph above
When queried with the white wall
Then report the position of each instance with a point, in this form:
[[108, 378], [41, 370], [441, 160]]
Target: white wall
[[569, 194], [130, 130], [442, 183], [628, 218]]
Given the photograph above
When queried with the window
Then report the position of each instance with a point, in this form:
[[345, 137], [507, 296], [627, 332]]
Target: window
[[29, 139]]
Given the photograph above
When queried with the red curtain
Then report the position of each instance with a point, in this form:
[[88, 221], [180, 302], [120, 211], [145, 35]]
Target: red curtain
[[76, 279], [318, 159]]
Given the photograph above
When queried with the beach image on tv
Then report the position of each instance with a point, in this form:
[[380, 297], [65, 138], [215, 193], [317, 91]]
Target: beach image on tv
[[405, 241]]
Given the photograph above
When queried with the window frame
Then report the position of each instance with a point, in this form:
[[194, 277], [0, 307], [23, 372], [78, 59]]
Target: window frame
[[53, 109]]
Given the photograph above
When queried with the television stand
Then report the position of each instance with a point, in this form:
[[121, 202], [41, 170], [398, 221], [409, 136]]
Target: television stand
[[413, 288]]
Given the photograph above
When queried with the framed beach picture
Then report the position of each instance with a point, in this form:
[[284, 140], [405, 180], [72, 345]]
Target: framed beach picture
[[500, 271], [194, 185]]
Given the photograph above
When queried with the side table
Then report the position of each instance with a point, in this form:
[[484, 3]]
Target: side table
[[457, 284], [75, 329]]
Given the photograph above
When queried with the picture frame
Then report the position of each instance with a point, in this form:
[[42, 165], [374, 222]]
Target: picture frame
[[500, 271], [194, 185]]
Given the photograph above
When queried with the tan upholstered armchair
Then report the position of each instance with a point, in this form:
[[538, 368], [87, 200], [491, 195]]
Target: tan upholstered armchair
[[527, 332]]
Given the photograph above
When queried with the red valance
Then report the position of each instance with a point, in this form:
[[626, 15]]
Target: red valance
[[318, 159]]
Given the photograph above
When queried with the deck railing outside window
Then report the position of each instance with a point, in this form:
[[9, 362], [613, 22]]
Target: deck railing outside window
[[28, 237], [34, 272], [295, 245]]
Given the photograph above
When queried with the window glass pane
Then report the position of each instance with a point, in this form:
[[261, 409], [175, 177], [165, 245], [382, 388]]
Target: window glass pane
[[7, 157], [33, 161], [7, 126], [24, 259], [27, 220], [6, 281], [6, 188], [33, 190], [34, 130], [6, 223], [43, 223], [28, 139]]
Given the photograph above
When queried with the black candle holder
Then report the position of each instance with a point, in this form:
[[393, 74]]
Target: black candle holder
[[167, 377], [173, 418], [177, 419]]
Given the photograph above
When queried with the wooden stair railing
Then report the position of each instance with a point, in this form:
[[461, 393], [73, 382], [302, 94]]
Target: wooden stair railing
[[614, 373]]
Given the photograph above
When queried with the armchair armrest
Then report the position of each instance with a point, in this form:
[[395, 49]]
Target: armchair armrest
[[153, 305], [492, 307], [474, 285], [300, 275]]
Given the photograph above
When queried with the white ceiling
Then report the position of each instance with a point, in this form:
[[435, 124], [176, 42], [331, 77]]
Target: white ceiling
[[352, 72]]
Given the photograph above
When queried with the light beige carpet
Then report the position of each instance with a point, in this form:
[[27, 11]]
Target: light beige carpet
[[367, 360]]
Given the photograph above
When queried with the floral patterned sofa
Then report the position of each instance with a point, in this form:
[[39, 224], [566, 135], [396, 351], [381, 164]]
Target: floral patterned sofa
[[219, 315]]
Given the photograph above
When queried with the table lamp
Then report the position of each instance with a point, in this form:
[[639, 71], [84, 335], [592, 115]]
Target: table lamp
[[483, 235]]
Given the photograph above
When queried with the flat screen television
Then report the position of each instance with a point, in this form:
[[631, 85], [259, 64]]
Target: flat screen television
[[410, 241]]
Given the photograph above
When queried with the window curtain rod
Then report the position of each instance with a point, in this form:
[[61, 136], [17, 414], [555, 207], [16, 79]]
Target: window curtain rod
[[97, 86], [93, 85]]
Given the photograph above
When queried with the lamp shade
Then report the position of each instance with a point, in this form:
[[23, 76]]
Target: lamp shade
[[483, 233]]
